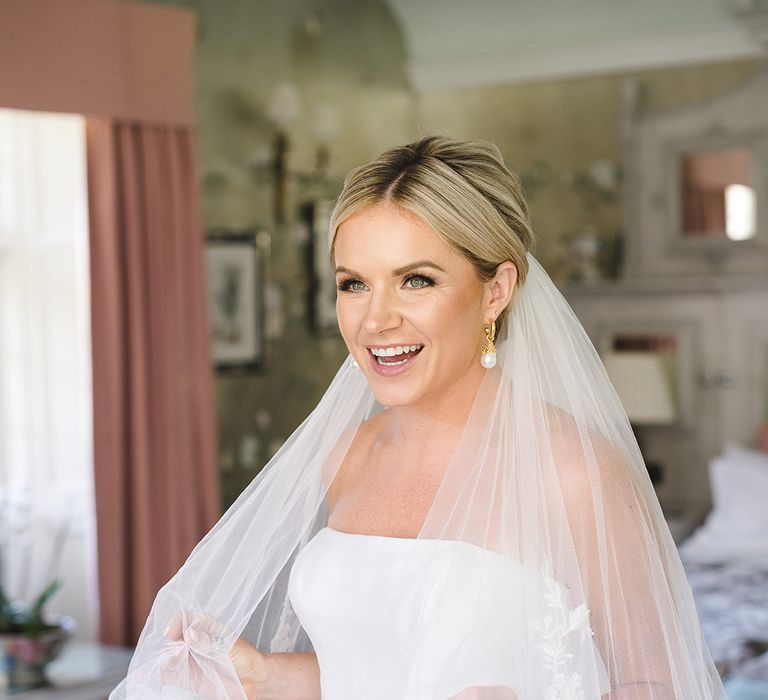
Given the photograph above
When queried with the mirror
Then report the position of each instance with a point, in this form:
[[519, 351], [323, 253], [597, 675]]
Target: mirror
[[696, 186], [717, 194]]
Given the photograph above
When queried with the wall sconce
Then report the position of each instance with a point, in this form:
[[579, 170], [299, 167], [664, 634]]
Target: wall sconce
[[325, 129], [284, 107]]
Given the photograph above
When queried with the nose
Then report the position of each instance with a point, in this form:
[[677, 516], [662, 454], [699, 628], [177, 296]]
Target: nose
[[382, 313]]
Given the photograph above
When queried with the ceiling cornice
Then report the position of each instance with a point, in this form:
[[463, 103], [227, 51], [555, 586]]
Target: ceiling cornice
[[722, 41]]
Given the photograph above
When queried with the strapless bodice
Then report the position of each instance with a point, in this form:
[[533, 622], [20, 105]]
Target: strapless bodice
[[420, 619]]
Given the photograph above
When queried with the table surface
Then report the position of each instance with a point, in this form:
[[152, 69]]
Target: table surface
[[84, 671]]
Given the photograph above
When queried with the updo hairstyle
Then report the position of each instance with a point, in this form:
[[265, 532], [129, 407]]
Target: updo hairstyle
[[461, 188]]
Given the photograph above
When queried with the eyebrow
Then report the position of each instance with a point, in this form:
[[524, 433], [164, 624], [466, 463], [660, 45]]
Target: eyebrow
[[399, 270]]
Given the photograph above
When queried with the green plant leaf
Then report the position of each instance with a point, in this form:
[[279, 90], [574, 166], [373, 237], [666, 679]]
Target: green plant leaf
[[43, 598]]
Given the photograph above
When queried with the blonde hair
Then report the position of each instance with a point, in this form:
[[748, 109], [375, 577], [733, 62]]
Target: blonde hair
[[461, 188]]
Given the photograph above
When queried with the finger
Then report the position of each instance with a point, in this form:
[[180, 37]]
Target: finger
[[194, 637], [199, 629], [212, 625], [214, 631], [174, 630]]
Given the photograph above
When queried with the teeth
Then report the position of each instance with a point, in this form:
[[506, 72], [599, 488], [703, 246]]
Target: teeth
[[389, 364], [393, 350]]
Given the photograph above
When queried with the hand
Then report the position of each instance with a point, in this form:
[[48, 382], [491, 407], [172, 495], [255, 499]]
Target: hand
[[249, 663]]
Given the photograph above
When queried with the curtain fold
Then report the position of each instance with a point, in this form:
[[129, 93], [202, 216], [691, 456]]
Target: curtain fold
[[156, 480]]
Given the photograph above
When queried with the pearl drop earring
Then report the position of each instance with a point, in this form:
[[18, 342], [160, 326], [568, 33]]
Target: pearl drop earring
[[488, 355], [354, 364]]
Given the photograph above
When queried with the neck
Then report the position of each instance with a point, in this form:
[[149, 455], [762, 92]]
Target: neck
[[435, 418]]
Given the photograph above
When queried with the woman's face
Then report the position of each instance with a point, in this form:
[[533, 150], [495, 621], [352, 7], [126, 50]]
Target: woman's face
[[400, 286]]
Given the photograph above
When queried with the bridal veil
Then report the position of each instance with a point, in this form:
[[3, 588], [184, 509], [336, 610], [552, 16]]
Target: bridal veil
[[546, 474]]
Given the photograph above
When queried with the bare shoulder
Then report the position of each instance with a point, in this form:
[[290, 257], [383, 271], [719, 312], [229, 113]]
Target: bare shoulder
[[584, 458]]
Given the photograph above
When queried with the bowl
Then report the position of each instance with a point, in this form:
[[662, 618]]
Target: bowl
[[26, 656]]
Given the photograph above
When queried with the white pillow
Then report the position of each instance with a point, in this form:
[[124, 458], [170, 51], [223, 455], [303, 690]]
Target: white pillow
[[737, 526], [745, 455], [739, 482]]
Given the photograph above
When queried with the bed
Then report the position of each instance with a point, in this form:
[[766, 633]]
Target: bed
[[726, 561]]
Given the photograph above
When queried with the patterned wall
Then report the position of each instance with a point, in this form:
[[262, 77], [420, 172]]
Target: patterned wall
[[564, 137]]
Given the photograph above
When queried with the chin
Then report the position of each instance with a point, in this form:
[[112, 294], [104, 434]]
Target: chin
[[391, 399], [409, 391]]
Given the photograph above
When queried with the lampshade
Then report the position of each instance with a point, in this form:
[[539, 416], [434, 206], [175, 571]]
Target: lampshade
[[642, 385]]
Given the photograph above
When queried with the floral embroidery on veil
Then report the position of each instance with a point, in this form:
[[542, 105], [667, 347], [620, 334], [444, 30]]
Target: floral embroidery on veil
[[565, 683]]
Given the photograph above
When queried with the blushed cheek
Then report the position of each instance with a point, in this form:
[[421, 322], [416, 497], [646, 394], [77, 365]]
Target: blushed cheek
[[349, 325], [470, 331], [343, 323]]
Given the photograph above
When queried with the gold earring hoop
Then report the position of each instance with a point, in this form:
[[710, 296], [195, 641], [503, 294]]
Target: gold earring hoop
[[488, 355]]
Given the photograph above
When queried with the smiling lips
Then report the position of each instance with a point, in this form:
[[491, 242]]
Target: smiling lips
[[402, 352], [394, 358]]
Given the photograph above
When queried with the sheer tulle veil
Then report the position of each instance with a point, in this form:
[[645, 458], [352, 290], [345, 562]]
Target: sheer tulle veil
[[546, 483]]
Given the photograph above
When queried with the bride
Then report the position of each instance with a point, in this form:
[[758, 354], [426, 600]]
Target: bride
[[465, 514]]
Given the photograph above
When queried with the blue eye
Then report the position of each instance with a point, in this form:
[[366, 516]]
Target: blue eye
[[423, 281], [348, 285], [412, 282]]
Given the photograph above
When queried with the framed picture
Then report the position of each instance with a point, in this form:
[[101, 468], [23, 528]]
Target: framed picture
[[236, 282], [321, 301]]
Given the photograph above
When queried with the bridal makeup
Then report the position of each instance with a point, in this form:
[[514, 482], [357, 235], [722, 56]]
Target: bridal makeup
[[408, 305]]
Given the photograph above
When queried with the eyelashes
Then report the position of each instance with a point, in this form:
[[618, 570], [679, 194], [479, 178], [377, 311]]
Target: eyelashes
[[348, 285]]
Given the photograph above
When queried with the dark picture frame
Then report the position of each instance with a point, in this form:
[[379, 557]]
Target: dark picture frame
[[321, 291], [236, 269]]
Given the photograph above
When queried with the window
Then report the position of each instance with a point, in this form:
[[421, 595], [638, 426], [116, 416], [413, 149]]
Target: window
[[46, 465]]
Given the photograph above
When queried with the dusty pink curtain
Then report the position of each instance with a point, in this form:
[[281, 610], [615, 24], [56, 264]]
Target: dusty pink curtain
[[156, 479]]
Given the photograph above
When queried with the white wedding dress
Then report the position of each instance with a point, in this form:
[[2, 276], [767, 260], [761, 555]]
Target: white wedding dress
[[420, 619]]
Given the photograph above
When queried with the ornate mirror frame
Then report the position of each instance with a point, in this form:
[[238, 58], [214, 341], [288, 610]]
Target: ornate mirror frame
[[653, 147]]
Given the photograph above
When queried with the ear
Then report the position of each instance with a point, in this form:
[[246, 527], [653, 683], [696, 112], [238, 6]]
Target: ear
[[498, 290]]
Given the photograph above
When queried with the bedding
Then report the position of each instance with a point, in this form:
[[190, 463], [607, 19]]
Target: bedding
[[726, 561], [732, 602]]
